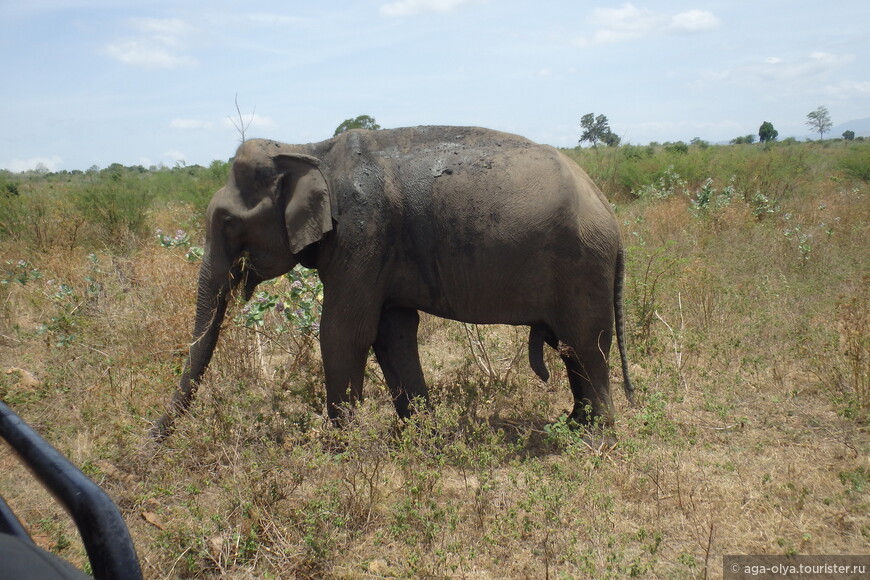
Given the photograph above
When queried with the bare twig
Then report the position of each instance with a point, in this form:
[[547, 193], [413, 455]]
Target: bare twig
[[707, 550], [485, 361], [241, 126], [677, 338]]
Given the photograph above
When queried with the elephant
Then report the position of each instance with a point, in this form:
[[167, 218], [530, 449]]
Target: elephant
[[464, 223]]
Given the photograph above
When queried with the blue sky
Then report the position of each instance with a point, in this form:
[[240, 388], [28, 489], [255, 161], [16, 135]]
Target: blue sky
[[94, 82]]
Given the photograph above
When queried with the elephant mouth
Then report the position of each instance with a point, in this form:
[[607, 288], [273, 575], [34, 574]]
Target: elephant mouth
[[265, 269]]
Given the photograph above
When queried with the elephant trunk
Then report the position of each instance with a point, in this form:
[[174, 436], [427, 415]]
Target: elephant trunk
[[213, 291]]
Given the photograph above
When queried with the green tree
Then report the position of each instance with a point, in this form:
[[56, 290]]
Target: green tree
[[611, 139], [361, 122], [849, 135], [744, 140], [820, 121], [767, 133], [679, 148], [597, 129]]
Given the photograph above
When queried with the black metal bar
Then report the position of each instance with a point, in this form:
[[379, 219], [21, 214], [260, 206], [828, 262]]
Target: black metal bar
[[9, 524], [104, 532]]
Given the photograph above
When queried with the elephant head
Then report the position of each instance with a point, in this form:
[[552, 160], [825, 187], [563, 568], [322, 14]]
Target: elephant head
[[276, 203]]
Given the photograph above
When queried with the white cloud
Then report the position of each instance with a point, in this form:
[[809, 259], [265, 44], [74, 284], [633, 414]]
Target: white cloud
[[160, 43], [147, 54], [629, 22], [624, 23], [35, 163], [788, 78], [778, 69], [694, 21], [190, 124], [412, 7], [166, 30], [828, 60], [848, 90], [268, 19]]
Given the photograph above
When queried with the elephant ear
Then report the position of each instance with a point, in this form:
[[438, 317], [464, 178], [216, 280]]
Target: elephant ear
[[307, 210]]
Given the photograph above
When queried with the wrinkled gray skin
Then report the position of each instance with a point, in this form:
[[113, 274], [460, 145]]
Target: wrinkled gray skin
[[463, 223]]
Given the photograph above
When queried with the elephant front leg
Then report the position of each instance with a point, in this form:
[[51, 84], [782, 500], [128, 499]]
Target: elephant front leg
[[344, 348], [399, 358]]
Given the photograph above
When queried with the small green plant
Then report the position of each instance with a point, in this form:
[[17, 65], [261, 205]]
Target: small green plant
[[181, 239], [54, 528], [60, 330], [321, 520], [761, 205], [800, 238], [669, 184], [653, 420], [708, 199], [564, 432], [298, 306], [855, 481], [21, 271]]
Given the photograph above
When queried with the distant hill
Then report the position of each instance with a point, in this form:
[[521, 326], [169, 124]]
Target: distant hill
[[860, 126]]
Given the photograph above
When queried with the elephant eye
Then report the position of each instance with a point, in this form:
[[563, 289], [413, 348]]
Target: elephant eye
[[224, 217], [227, 222]]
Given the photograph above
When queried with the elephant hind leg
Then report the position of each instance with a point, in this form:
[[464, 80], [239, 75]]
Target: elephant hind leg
[[398, 355], [589, 377]]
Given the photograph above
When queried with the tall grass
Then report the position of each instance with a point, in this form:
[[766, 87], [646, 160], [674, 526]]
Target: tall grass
[[747, 305]]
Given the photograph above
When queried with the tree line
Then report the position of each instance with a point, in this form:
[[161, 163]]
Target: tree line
[[596, 129]]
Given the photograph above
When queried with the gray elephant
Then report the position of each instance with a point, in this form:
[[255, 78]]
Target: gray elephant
[[463, 223]]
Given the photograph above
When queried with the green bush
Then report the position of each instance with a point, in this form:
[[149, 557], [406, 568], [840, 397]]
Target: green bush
[[856, 162], [25, 217], [116, 209]]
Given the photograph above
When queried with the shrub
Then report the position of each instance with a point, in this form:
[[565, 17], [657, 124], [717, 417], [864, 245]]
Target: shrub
[[708, 199], [664, 187], [856, 163], [116, 210], [679, 148]]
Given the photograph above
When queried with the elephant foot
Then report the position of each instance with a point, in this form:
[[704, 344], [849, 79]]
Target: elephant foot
[[598, 427], [161, 429], [584, 416], [600, 441]]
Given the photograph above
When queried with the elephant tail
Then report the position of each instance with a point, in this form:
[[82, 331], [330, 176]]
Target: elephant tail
[[620, 324]]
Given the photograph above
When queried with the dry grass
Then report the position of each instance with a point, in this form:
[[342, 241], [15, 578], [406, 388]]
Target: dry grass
[[750, 435]]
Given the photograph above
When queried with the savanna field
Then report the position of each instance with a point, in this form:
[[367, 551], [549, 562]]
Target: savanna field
[[747, 299]]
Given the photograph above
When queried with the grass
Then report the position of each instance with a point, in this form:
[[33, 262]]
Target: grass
[[747, 308]]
